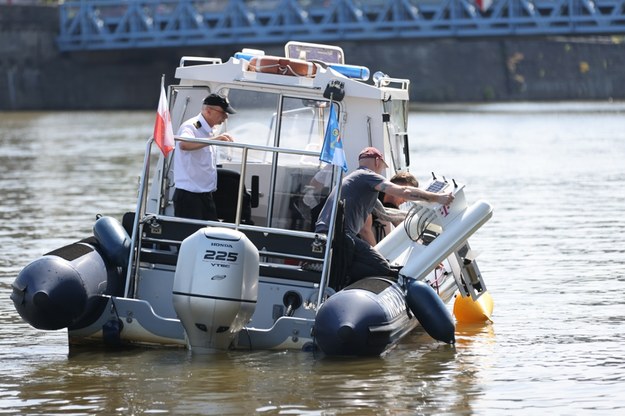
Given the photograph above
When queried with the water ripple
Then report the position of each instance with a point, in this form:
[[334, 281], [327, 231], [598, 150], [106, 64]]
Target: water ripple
[[553, 256]]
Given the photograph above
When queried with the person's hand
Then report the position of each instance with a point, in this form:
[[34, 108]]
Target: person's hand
[[225, 137], [445, 199]]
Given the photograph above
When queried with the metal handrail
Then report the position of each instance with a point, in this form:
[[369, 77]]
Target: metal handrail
[[140, 215], [250, 146], [137, 225]]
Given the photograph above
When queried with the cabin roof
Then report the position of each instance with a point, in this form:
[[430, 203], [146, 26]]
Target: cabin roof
[[235, 73]]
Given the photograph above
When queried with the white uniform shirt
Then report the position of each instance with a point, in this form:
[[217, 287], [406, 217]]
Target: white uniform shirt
[[195, 170]]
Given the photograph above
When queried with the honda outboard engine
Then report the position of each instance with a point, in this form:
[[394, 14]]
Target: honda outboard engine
[[215, 287]]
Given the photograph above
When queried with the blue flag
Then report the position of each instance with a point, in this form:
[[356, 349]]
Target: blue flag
[[332, 151]]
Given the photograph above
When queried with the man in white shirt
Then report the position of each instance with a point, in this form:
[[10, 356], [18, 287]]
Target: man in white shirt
[[195, 164]]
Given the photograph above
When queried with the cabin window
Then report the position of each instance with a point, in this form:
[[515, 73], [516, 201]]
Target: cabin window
[[270, 119], [302, 126], [396, 132]]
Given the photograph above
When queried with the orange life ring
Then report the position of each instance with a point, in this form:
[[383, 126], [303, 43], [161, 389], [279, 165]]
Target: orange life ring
[[283, 66]]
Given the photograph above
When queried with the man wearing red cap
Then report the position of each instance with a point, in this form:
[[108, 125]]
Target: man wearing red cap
[[359, 191]]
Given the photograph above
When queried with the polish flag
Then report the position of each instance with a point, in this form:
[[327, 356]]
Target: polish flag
[[163, 132], [484, 5]]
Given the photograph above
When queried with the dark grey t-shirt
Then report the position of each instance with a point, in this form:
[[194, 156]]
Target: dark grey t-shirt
[[358, 191]]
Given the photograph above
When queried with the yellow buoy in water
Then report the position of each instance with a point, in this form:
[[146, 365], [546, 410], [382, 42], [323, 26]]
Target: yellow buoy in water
[[467, 310]]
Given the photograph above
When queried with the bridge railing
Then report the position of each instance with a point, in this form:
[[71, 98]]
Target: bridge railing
[[121, 24]]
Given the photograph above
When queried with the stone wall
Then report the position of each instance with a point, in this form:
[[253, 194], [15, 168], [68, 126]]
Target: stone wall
[[34, 75]]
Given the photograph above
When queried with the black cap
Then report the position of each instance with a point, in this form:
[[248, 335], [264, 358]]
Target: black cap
[[219, 101]]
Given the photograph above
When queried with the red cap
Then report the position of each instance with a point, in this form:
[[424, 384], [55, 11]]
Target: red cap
[[371, 152]]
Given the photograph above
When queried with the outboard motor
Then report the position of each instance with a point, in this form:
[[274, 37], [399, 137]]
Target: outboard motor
[[215, 286]]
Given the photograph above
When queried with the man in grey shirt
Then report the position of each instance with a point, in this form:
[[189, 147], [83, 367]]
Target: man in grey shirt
[[359, 191]]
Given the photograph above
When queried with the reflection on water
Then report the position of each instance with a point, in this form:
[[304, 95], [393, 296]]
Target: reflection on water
[[553, 257]]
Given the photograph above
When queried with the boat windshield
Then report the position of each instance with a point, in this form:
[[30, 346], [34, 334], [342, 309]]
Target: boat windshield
[[300, 126], [288, 193]]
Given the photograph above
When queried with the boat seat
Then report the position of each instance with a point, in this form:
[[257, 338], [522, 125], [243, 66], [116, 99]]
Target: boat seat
[[226, 197], [343, 252], [160, 244], [291, 273]]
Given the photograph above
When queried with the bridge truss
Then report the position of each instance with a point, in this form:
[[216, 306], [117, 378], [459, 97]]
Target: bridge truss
[[122, 24]]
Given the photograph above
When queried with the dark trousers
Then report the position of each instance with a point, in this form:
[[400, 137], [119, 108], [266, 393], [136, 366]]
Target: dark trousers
[[367, 261], [199, 206]]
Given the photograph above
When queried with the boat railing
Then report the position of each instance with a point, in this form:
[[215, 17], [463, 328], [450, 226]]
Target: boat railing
[[202, 59], [245, 149], [283, 253], [258, 234], [137, 225]]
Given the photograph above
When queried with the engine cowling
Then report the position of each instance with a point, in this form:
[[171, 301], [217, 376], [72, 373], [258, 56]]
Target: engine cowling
[[215, 286]]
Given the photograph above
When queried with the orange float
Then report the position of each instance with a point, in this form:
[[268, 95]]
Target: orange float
[[467, 310], [282, 66]]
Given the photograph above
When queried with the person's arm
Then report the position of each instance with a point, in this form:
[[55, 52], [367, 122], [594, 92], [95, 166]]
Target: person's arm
[[387, 214], [366, 232], [191, 145], [414, 194], [224, 137]]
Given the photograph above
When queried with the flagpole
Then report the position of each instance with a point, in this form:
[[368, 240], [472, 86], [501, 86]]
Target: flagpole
[[166, 164], [327, 258]]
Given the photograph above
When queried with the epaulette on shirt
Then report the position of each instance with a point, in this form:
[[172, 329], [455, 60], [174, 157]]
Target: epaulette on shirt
[[197, 124]]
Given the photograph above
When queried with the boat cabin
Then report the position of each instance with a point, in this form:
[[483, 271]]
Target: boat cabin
[[279, 130]]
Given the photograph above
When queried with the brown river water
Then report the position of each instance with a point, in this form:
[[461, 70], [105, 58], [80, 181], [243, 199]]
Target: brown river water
[[553, 257]]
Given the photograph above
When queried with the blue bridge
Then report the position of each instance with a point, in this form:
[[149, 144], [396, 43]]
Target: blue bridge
[[123, 24]]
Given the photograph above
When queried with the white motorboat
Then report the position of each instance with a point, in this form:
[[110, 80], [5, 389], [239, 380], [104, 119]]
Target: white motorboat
[[260, 277]]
